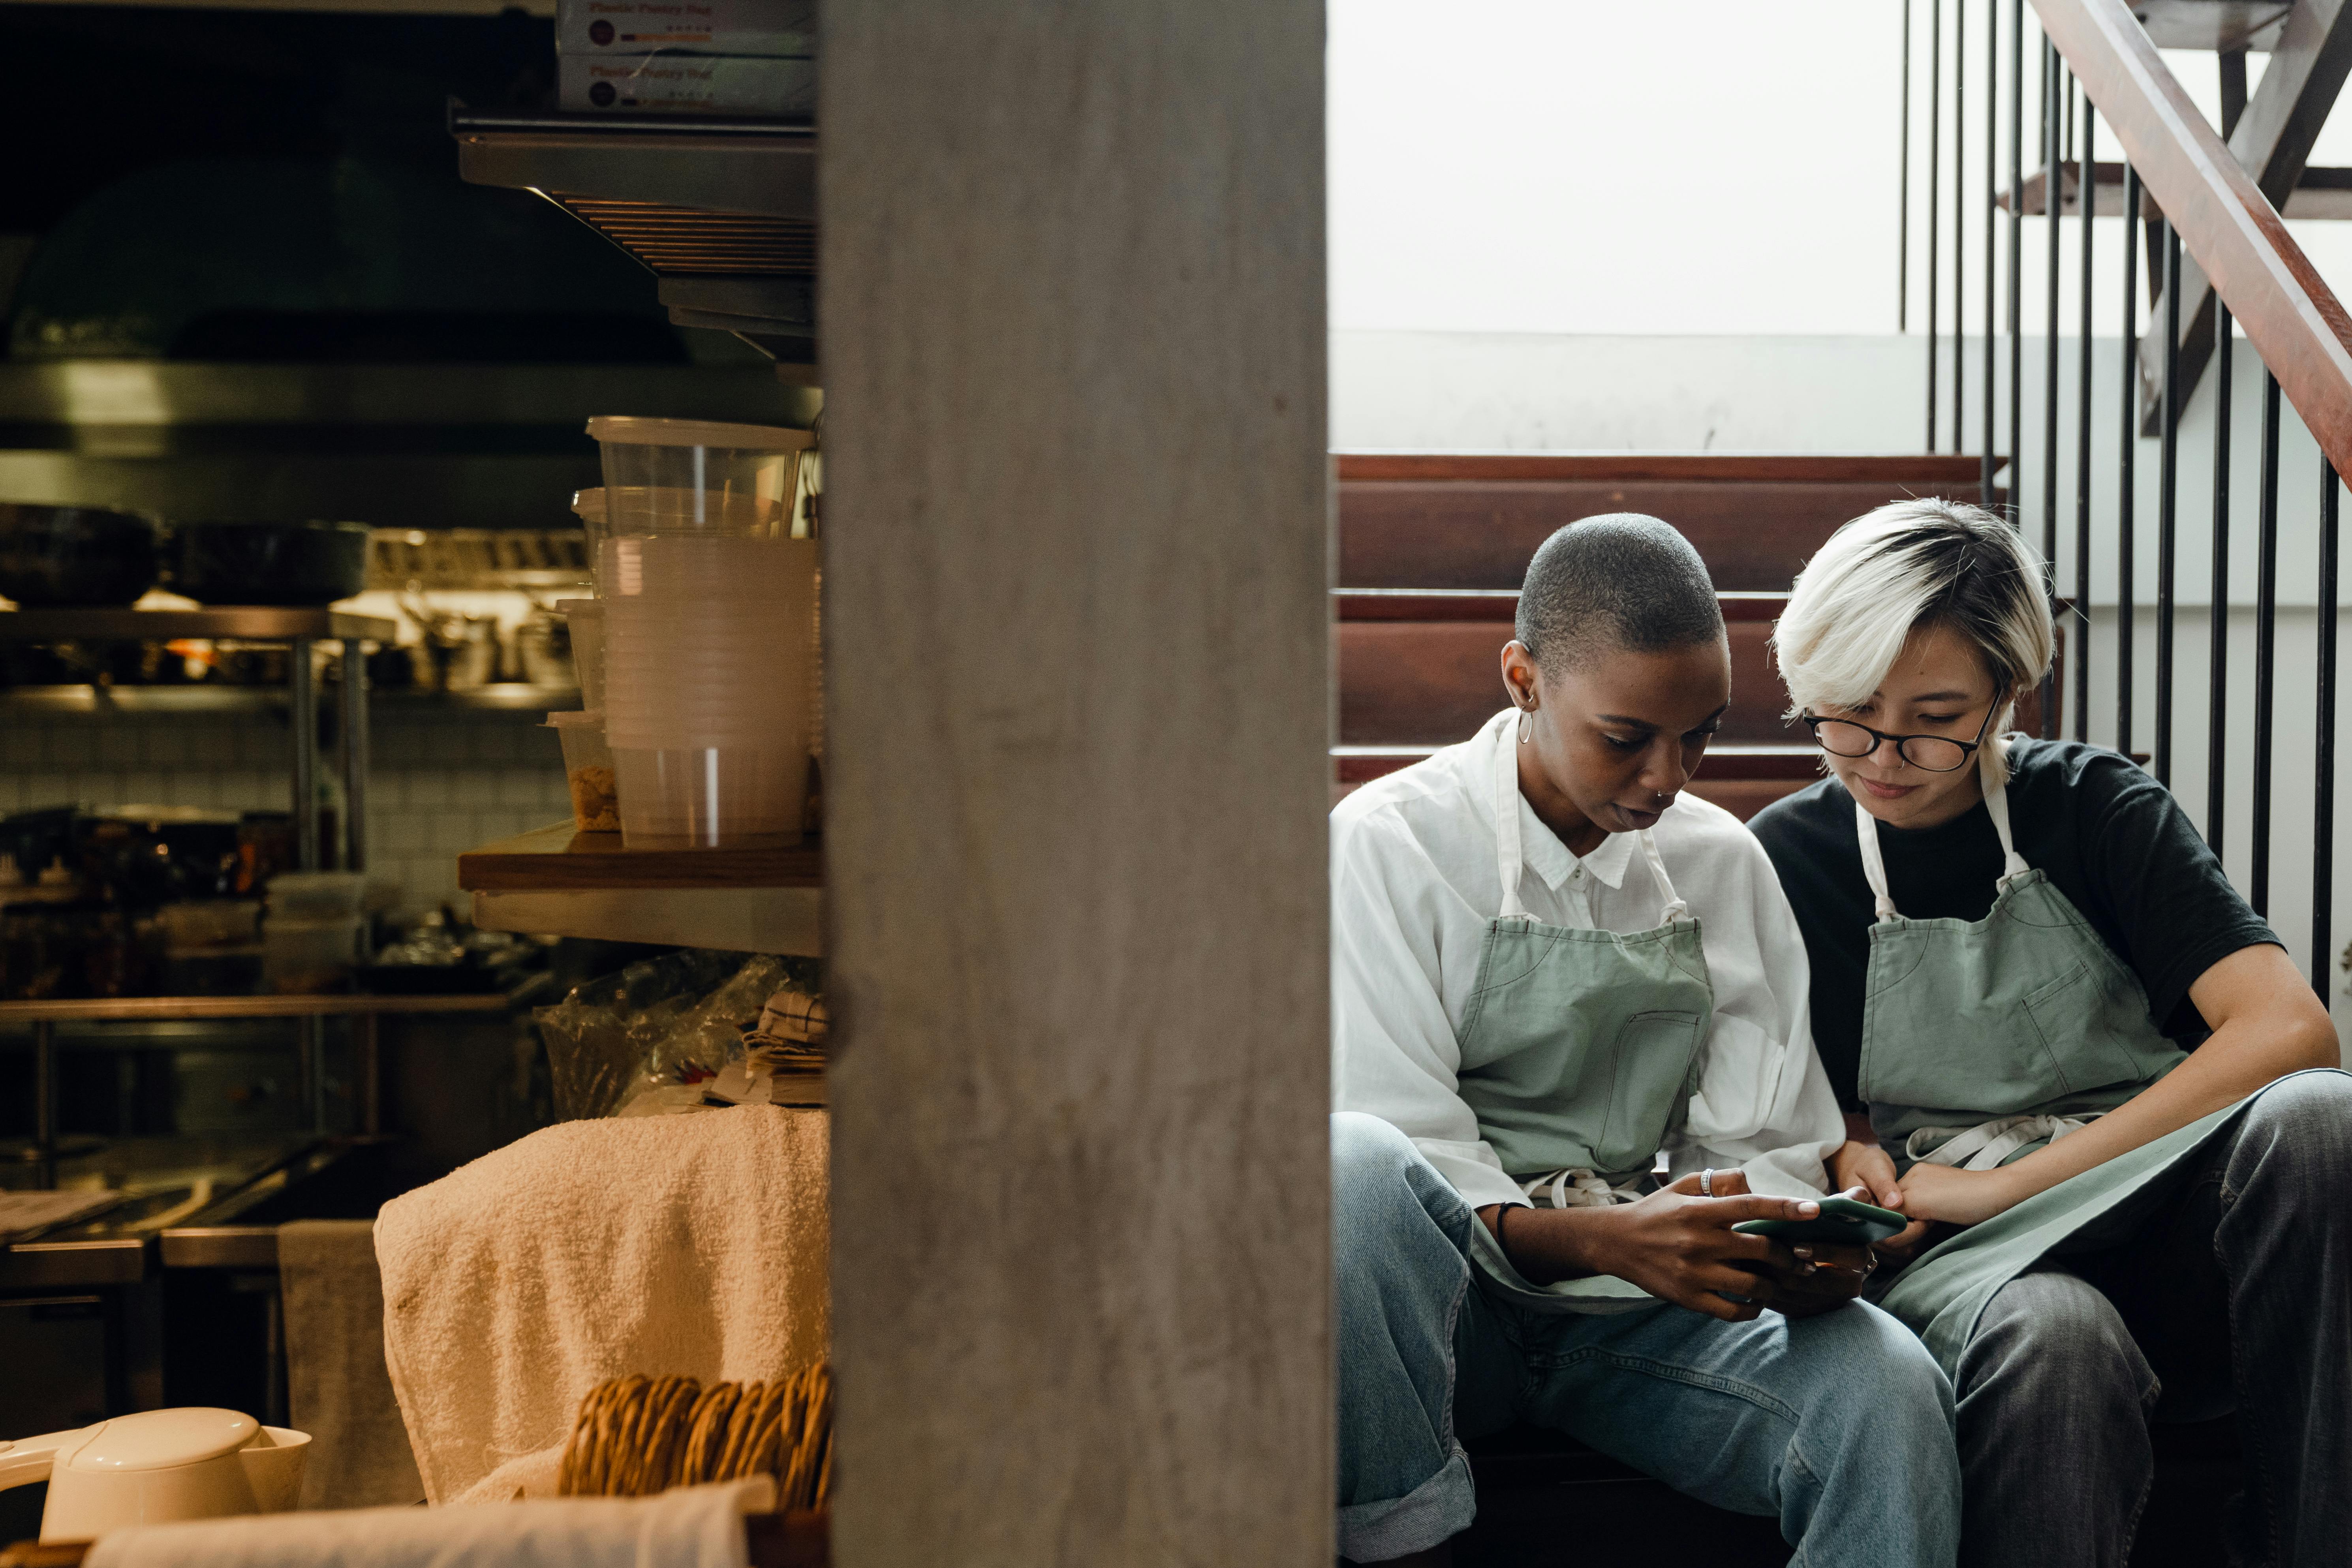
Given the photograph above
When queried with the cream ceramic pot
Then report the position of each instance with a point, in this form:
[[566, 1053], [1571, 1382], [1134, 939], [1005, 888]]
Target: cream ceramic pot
[[155, 1466]]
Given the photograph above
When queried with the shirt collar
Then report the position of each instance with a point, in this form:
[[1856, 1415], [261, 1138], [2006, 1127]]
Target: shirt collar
[[1540, 846], [1556, 863]]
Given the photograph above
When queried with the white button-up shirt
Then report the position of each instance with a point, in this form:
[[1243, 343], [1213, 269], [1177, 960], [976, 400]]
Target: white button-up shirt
[[1414, 883]]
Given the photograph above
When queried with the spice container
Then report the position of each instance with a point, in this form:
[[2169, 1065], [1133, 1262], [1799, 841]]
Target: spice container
[[588, 769]]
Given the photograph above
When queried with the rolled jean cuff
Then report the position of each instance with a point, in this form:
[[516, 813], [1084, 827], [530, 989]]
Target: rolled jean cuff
[[1440, 1508]]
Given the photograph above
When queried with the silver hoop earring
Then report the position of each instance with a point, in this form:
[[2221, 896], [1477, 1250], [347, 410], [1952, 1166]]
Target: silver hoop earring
[[1526, 725]]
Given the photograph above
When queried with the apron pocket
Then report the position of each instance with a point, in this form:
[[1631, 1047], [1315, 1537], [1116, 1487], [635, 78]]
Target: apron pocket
[[1650, 1063], [2060, 1012]]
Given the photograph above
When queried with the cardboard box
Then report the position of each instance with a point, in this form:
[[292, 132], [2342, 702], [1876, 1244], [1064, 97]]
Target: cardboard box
[[784, 28], [671, 83]]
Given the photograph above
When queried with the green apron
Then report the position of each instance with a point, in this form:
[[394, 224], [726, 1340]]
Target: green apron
[[1580, 1051], [1984, 1040]]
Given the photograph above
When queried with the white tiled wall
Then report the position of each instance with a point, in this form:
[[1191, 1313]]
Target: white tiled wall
[[444, 780]]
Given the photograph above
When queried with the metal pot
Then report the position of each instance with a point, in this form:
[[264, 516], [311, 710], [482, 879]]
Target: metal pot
[[74, 556], [248, 562]]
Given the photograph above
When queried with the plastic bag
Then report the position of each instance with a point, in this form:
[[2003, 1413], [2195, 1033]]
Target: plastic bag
[[648, 1038]]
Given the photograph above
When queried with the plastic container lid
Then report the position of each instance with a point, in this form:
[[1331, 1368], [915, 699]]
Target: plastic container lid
[[317, 882], [164, 1439], [629, 430], [297, 925]]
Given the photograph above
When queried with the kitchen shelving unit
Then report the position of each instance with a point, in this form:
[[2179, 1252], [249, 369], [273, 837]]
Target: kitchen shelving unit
[[299, 629], [723, 213]]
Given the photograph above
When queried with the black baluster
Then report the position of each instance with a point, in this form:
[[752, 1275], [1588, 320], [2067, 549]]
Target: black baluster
[[1960, 224], [2086, 202], [2265, 642], [2016, 259], [1934, 172], [1903, 195], [2128, 399], [1986, 459], [2168, 504], [2323, 788], [2051, 184], [2217, 733]]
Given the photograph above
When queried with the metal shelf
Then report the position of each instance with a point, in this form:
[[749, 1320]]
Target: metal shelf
[[562, 882], [723, 212], [759, 167], [506, 695], [244, 623], [126, 1008]]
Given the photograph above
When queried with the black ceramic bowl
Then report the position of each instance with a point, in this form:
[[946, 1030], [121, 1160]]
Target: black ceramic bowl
[[269, 562], [74, 556]]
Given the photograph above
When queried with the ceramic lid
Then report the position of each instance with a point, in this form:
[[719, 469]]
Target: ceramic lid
[[164, 1439]]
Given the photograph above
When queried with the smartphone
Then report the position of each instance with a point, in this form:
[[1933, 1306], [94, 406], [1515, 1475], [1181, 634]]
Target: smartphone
[[1842, 1221]]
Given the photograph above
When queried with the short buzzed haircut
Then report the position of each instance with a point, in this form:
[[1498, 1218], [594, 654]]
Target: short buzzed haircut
[[1618, 581]]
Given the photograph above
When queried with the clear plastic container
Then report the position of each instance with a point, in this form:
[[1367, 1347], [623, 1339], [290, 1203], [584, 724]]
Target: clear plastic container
[[588, 769], [585, 619], [588, 506], [704, 628], [711, 797], [691, 475], [315, 895], [197, 924], [307, 956]]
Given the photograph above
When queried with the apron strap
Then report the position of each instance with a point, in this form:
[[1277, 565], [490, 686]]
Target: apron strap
[[1510, 857], [1995, 800], [1874, 867], [1996, 797], [1984, 1146], [1675, 908]]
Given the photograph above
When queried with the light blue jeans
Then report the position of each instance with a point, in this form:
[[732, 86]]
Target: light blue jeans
[[1840, 1426]]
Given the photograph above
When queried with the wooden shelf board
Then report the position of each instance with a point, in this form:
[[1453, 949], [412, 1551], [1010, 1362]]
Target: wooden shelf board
[[561, 859]]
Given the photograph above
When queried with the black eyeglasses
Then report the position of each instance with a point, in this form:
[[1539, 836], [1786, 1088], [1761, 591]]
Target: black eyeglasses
[[1934, 754]]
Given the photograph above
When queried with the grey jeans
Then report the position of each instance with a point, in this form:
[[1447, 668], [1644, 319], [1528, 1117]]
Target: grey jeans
[[2236, 1293]]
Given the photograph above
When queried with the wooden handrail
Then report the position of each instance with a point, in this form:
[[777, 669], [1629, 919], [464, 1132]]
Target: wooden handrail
[[2291, 317]]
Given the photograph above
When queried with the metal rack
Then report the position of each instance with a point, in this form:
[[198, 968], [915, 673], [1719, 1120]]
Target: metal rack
[[297, 628], [722, 212]]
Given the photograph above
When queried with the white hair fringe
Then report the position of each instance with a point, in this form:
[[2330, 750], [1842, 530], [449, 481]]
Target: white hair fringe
[[1880, 576]]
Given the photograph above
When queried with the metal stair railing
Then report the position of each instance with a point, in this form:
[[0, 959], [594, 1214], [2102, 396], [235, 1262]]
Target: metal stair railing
[[2212, 241]]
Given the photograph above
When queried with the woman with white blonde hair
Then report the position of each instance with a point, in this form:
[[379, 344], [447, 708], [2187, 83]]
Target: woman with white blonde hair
[[2086, 1062]]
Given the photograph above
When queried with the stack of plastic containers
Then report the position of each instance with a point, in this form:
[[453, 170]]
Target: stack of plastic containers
[[707, 601], [310, 935]]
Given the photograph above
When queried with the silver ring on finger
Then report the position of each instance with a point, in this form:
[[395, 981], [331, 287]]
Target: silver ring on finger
[[1707, 1182]]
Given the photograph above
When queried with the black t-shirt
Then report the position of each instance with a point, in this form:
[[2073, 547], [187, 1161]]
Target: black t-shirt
[[2112, 839]]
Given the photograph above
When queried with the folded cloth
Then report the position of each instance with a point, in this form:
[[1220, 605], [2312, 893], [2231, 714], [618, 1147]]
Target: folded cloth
[[337, 1388], [693, 1527], [689, 1245]]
